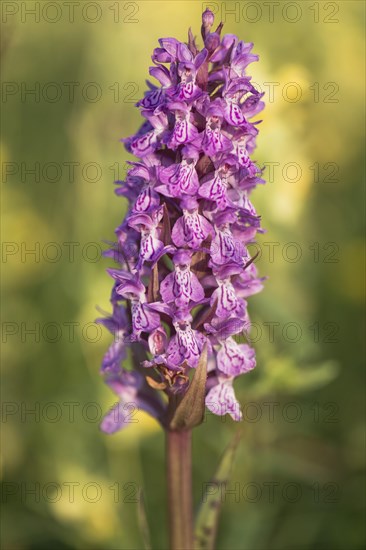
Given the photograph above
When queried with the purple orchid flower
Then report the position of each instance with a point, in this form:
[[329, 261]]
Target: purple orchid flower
[[234, 359], [228, 303], [221, 399], [184, 270], [180, 179], [192, 228], [214, 187], [187, 344], [225, 249], [188, 66], [132, 289], [147, 199], [147, 225], [145, 143], [214, 140], [182, 286], [184, 130]]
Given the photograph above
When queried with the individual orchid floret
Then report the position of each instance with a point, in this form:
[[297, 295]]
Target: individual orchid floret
[[214, 141], [241, 58], [180, 179], [143, 318], [186, 346], [221, 400], [147, 199], [147, 225], [187, 89], [234, 359], [232, 94], [146, 143], [225, 249], [182, 286], [243, 157], [227, 301], [153, 100], [163, 75], [222, 53], [192, 228], [184, 130], [167, 53], [215, 185]]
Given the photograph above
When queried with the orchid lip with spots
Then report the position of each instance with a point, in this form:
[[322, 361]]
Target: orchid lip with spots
[[190, 222]]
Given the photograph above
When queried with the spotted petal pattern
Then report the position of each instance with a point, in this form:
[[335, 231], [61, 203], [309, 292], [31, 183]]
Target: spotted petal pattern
[[184, 270]]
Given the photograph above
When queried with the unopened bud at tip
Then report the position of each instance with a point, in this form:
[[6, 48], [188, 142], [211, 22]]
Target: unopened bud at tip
[[207, 19], [212, 41]]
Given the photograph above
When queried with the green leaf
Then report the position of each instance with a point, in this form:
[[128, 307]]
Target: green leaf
[[208, 514], [142, 520], [191, 409]]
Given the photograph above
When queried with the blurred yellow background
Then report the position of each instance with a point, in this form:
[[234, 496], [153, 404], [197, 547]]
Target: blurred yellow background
[[71, 75]]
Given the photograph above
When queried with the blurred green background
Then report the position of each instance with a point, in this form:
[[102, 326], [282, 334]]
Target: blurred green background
[[298, 478]]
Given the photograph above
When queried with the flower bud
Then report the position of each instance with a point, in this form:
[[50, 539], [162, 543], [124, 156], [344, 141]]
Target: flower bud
[[212, 41], [207, 19]]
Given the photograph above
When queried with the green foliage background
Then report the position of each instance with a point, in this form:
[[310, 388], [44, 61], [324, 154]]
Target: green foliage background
[[317, 382]]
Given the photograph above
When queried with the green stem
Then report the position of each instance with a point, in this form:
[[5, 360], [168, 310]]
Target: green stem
[[179, 471]]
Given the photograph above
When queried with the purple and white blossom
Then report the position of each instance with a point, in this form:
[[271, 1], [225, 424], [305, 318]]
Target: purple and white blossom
[[185, 272]]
